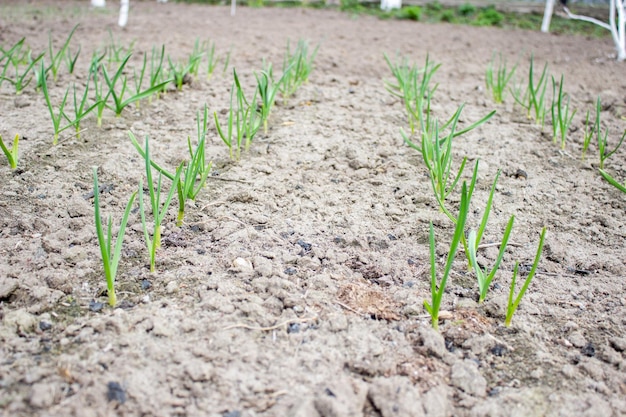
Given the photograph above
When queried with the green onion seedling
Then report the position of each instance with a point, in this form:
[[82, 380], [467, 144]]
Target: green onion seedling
[[561, 116], [602, 138], [513, 304], [211, 59], [118, 98], [11, 154], [436, 151], [534, 99], [296, 68], [70, 59], [610, 180], [413, 87], [195, 59], [226, 61], [139, 77], [115, 51], [178, 72], [110, 255], [156, 70], [158, 211], [195, 171], [101, 98], [57, 58], [81, 108], [267, 90], [588, 134], [244, 120], [56, 118], [20, 82], [485, 277], [437, 290], [8, 55], [497, 85]]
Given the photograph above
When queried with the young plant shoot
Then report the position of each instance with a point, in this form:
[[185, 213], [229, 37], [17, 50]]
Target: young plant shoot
[[437, 290], [193, 174], [11, 154], [413, 87], [118, 98], [561, 116], [21, 81], [514, 303], [267, 89], [613, 181], [158, 211], [244, 120], [110, 255], [497, 84], [602, 138], [296, 68], [56, 118], [57, 58], [534, 99]]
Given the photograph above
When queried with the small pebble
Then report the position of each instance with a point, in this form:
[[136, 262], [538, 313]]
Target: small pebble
[[589, 350], [115, 392], [304, 245], [498, 350], [95, 306], [291, 271], [145, 284], [45, 325], [171, 287], [293, 328]]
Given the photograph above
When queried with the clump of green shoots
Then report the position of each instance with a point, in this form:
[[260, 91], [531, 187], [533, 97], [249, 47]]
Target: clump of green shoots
[[12, 55], [297, 67], [195, 59], [70, 59], [497, 83], [534, 98], [193, 174], [179, 72], [81, 108], [110, 255], [158, 210], [267, 90], [561, 116], [57, 57], [209, 51], [157, 75], [243, 123], [56, 117], [16, 57], [11, 154], [436, 151], [485, 277], [437, 288], [119, 103], [588, 133], [115, 51], [513, 302], [602, 138], [413, 87]]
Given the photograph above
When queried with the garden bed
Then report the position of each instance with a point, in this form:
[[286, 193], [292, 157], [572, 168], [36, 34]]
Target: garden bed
[[296, 284]]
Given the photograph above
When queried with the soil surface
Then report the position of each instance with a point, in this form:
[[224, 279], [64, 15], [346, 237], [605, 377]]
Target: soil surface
[[295, 286]]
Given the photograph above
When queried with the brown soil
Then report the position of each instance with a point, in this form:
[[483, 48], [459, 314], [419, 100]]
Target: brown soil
[[296, 285]]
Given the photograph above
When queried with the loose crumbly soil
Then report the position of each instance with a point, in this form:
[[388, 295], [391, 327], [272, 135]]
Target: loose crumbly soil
[[296, 285]]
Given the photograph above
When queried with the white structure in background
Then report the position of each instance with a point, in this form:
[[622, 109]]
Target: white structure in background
[[388, 5], [617, 29], [124, 5]]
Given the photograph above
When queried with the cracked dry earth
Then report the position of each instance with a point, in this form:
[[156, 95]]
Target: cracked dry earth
[[296, 285]]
